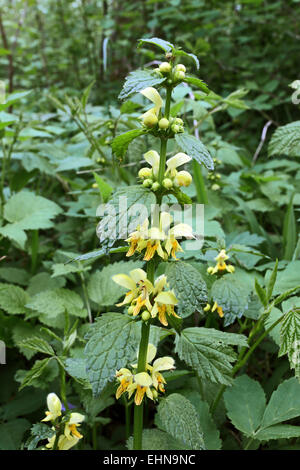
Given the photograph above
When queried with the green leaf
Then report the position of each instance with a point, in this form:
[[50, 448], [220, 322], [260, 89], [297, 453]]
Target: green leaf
[[39, 431], [101, 288], [138, 81], [288, 278], [207, 351], [279, 431], [26, 211], [122, 217], [179, 52], [11, 433], [286, 140], [35, 372], [37, 344], [155, 439], [272, 281], [166, 46], [189, 287], [232, 295], [211, 435], [13, 299], [261, 292], [110, 347], [284, 403], [245, 402], [289, 231], [290, 338], [104, 188], [195, 149], [120, 143], [198, 83], [179, 418]]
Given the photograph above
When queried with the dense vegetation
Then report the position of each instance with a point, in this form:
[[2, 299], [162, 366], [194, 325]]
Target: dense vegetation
[[78, 130]]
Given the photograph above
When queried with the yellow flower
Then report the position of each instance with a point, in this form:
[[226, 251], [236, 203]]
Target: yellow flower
[[139, 289], [63, 442], [54, 407], [141, 386], [71, 426], [178, 231], [152, 157], [221, 265], [152, 95], [137, 237], [176, 161], [164, 304], [125, 377], [219, 309], [160, 364]]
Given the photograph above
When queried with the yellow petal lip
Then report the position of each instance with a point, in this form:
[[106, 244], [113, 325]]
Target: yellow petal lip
[[178, 160], [124, 280], [151, 353], [153, 95], [168, 298], [163, 363], [76, 418]]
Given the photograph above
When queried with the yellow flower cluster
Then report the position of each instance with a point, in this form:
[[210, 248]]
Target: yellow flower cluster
[[147, 383], [221, 265], [71, 436], [160, 240], [143, 296]]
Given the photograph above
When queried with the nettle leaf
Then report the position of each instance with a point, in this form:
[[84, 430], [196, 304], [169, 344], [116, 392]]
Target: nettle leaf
[[286, 140], [120, 143], [102, 290], [38, 345], [189, 287], [11, 433], [179, 52], [13, 299], [245, 402], [232, 295], [104, 188], [208, 352], [284, 404], [211, 435], [155, 439], [179, 418], [110, 346], [290, 338], [138, 80], [195, 149], [198, 83], [164, 45], [279, 431], [39, 431], [35, 372], [127, 208], [26, 211]]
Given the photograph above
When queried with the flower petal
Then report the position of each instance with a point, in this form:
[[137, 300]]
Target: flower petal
[[152, 157], [138, 275], [168, 298], [153, 95], [143, 379], [163, 363], [124, 281], [178, 159], [151, 353]]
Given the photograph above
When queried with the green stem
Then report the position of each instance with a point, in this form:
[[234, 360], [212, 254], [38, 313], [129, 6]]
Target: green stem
[[127, 417], [199, 183], [94, 436], [142, 361], [164, 141], [242, 361], [63, 387], [86, 297]]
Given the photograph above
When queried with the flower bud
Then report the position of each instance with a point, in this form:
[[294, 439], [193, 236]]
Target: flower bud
[[145, 173], [130, 310], [167, 183], [154, 394], [184, 178], [179, 122], [146, 315], [150, 120], [207, 308], [230, 268], [165, 67], [179, 75], [218, 176], [175, 128], [94, 185], [157, 71], [180, 68], [215, 187], [210, 270], [147, 183], [155, 186], [163, 123]]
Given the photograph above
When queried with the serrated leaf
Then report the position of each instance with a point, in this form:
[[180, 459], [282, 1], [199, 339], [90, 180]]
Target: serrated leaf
[[209, 355], [232, 295], [120, 143], [37, 344], [122, 217], [261, 293], [179, 52], [198, 83], [272, 281], [195, 149], [110, 347], [137, 81], [13, 299], [189, 287], [35, 372], [286, 140], [101, 288], [104, 188], [245, 402], [279, 431], [284, 403], [179, 418], [290, 338], [11, 433], [161, 43], [155, 439]]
